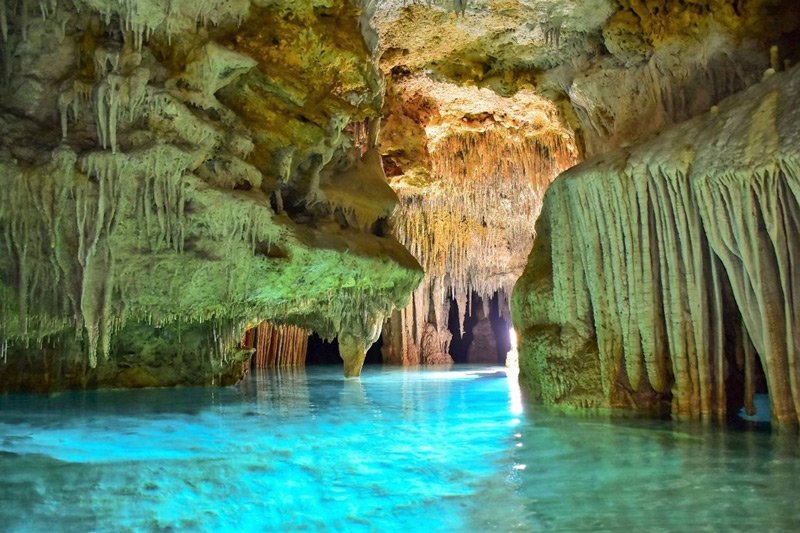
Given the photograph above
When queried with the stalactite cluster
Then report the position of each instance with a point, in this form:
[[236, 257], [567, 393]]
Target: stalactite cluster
[[661, 273], [277, 345], [146, 210], [470, 229]]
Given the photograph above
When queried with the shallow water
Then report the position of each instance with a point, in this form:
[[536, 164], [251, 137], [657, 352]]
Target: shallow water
[[400, 449]]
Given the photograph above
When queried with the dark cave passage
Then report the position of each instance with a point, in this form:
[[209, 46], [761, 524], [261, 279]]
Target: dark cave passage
[[746, 390], [374, 353], [459, 345], [322, 352], [486, 338]]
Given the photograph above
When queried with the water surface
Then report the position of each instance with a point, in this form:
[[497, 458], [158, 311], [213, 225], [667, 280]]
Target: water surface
[[400, 449]]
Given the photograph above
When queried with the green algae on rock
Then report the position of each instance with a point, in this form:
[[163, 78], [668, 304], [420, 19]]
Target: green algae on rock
[[662, 271], [143, 202]]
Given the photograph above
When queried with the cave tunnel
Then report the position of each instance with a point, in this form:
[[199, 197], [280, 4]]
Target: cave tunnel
[[486, 338], [322, 352], [746, 391]]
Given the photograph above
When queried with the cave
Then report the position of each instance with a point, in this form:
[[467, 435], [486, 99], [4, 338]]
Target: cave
[[321, 352], [425, 265], [486, 331]]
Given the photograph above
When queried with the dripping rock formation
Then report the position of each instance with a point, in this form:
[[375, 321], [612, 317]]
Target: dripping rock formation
[[487, 101], [468, 192], [174, 172], [666, 274]]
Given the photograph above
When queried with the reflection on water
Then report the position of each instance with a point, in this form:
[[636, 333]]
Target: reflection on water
[[424, 450]]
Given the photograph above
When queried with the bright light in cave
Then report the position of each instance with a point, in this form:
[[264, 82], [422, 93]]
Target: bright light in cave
[[512, 364], [512, 358], [515, 396]]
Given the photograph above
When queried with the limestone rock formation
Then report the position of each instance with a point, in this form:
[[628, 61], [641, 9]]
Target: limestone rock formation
[[661, 272], [277, 346], [607, 64], [171, 172], [174, 172], [466, 215], [470, 168], [464, 81], [470, 158]]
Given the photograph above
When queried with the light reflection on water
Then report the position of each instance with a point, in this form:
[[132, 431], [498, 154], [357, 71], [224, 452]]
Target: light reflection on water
[[421, 450]]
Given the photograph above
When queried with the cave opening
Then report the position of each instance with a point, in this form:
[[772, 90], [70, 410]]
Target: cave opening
[[746, 390], [322, 352], [375, 353], [459, 345], [486, 338]]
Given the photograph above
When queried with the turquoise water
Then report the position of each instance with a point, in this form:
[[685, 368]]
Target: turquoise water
[[398, 450]]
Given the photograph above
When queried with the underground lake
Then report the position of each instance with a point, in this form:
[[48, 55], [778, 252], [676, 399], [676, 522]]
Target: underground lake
[[401, 449]]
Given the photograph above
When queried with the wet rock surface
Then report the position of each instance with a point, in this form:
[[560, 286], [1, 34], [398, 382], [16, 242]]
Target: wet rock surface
[[185, 166], [661, 272]]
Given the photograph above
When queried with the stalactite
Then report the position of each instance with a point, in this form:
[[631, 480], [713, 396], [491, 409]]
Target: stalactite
[[48, 8], [467, 229], [277, 345], [552, 34], [3, 21], [24, 8], [359, 136], [69, 216], [643, 245], [153, 177], [80, 239], [665, 90]]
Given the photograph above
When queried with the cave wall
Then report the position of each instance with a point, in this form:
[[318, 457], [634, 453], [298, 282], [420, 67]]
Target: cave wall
[[660, 62], [661, 271], [168, 167], [615, 73]]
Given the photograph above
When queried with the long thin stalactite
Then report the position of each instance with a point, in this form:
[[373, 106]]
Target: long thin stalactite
[[473, 229], [277, 345]]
